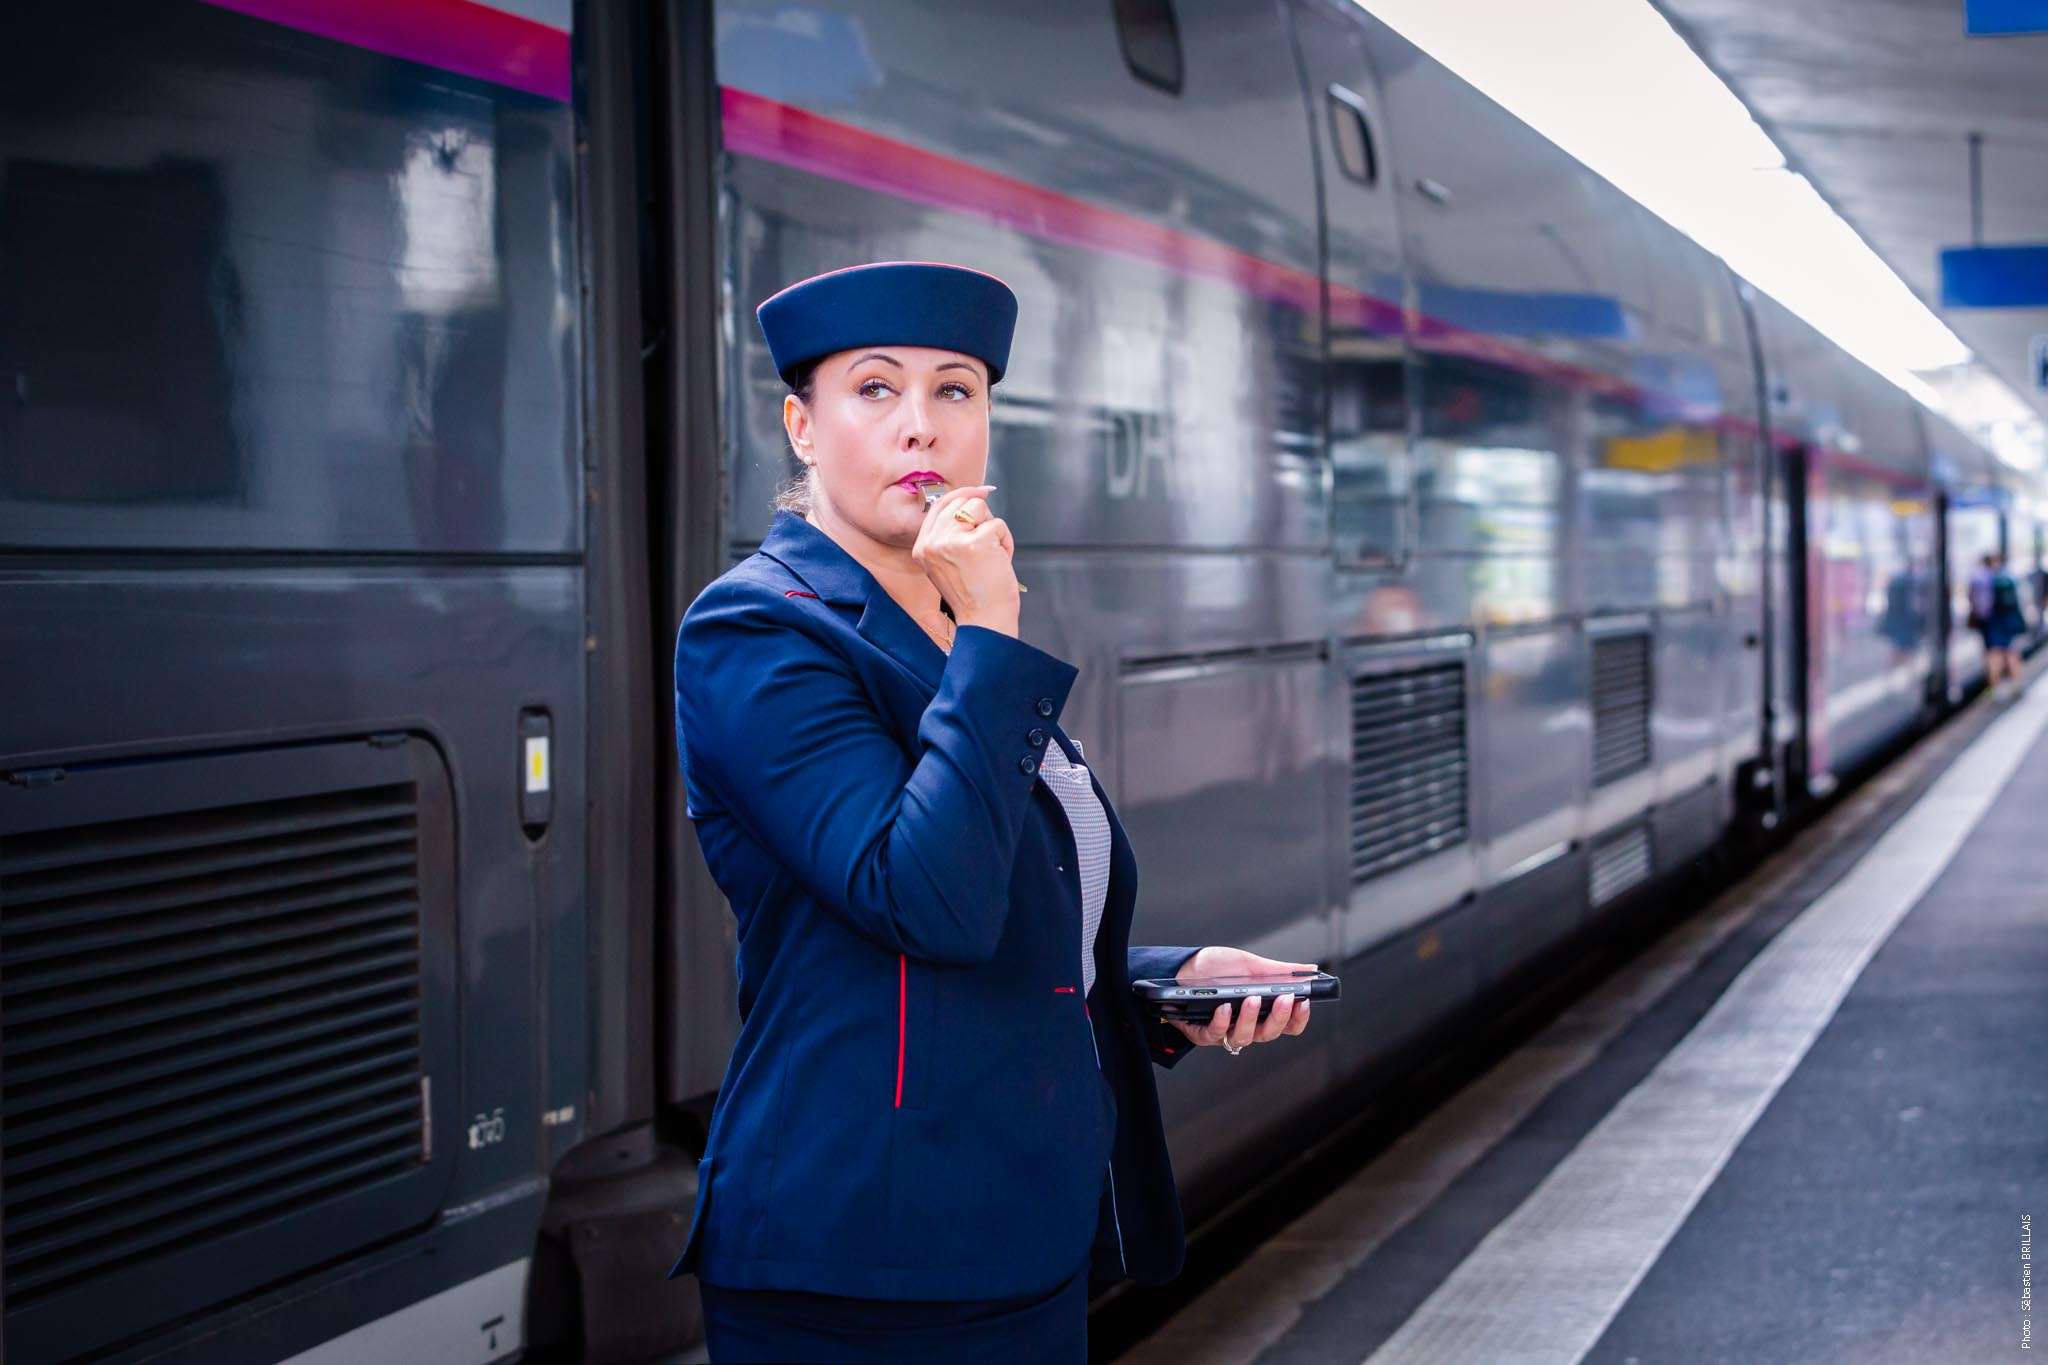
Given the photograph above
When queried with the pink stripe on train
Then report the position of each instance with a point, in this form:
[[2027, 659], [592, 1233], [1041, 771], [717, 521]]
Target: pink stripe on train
[[463, 36]]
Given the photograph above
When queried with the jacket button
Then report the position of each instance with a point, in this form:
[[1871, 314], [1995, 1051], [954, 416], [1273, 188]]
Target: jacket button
[[1045, 706], [1027, 764], [1037, 736]]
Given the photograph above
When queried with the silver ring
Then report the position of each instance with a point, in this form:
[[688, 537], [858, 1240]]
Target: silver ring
[[1232, 1048]]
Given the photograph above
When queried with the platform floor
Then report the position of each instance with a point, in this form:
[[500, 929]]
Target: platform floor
[[1811, 1124]]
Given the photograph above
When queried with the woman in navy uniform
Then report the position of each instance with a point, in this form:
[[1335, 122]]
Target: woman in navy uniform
[[938, 1127]]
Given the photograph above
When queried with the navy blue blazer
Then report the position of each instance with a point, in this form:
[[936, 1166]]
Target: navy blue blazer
[[913, 1109]]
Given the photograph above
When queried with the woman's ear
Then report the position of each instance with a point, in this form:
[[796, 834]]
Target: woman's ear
[[796, 424]]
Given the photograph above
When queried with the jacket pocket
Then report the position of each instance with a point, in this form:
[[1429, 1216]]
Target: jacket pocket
[[917, 989], [686, 1262]]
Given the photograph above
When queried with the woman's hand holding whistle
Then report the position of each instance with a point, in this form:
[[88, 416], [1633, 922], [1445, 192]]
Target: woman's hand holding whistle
[[970, 564]]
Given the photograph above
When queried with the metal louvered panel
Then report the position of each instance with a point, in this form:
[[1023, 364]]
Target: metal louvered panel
[[215, 1021], [1408, 766], [1621, 706], [1620, 862]]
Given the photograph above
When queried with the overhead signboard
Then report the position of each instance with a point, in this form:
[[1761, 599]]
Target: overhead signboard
[[1989, 18], [1995, 277]]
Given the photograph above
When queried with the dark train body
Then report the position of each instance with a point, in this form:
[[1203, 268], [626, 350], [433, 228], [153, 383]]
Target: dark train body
[[1451, 551]]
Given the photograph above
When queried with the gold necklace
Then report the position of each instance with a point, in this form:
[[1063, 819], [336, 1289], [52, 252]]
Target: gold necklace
[[951, 628]]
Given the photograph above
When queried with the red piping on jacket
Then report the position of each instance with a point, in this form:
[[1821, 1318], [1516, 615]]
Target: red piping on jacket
[[798, 592], [902, 1015]]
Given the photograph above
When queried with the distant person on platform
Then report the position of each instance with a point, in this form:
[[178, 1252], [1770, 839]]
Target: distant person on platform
[[1995, 611]]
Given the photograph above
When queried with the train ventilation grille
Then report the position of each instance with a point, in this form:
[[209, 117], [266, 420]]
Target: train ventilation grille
[[1408, 766], [1620, 862], [1621, 707], [206, 1018]]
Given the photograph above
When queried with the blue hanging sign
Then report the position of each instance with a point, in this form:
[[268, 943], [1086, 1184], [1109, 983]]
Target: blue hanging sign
[[1983, 495], [1989, 18], [1994, 277], [1520, 313]]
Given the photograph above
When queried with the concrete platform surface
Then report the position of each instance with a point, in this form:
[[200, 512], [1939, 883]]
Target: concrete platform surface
[[1809, 1125]]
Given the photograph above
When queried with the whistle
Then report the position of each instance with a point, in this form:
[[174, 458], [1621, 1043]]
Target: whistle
[[932, 491]]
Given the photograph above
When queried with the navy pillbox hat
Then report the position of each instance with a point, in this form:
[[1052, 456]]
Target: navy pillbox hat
[[902, 303]]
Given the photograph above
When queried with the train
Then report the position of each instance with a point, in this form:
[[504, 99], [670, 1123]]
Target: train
[[1453, 553]]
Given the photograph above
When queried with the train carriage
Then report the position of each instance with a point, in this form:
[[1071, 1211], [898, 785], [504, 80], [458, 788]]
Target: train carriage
[[1453, 553]]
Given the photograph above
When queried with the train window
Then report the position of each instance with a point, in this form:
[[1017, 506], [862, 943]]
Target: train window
[[1352, 136], [1150, 38]]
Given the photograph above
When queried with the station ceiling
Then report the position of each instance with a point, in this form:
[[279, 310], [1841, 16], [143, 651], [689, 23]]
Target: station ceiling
[[1874, 100]]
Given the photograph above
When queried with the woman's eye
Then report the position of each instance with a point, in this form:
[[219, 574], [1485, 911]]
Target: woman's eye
[[869, 388], [961, 389]]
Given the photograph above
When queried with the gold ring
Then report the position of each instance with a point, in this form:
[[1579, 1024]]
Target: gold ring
[[960, 514]]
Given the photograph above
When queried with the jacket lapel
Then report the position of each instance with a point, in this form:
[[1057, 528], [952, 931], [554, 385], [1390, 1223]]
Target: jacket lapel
[[889, 628], [837, 577]]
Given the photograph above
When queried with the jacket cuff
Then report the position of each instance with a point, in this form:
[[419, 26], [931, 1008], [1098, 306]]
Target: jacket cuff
[[1164, 1043], [1017, 687]]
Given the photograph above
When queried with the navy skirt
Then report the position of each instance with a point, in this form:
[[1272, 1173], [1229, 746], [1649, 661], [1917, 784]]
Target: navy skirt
[[797, 1325]]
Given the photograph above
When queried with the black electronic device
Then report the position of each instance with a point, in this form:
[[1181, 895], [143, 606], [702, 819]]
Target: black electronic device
[[1197, 998]]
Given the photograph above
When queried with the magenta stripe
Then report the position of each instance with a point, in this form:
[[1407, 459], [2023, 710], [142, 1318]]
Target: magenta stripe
[[770, 130], [799, 139], [789, 136], [455, 35]]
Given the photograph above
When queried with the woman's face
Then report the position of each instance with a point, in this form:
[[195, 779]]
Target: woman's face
[[879, 414]]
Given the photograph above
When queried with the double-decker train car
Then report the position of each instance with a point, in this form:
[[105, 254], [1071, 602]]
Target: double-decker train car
[[1452, 552]]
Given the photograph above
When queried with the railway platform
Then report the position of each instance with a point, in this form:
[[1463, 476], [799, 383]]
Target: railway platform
[[1806, 1125]]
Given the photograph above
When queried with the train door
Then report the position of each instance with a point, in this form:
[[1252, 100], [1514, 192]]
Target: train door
[[2037, 573], [1943, 684], [1778, 631], [659, 952], [696, 1019], [1372, 493], [662, 990], [1949, 675], [1807, 757], [1402, 817]]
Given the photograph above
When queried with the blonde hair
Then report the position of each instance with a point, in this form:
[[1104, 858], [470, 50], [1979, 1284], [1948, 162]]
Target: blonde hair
[[796, 495], [799, 493]]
